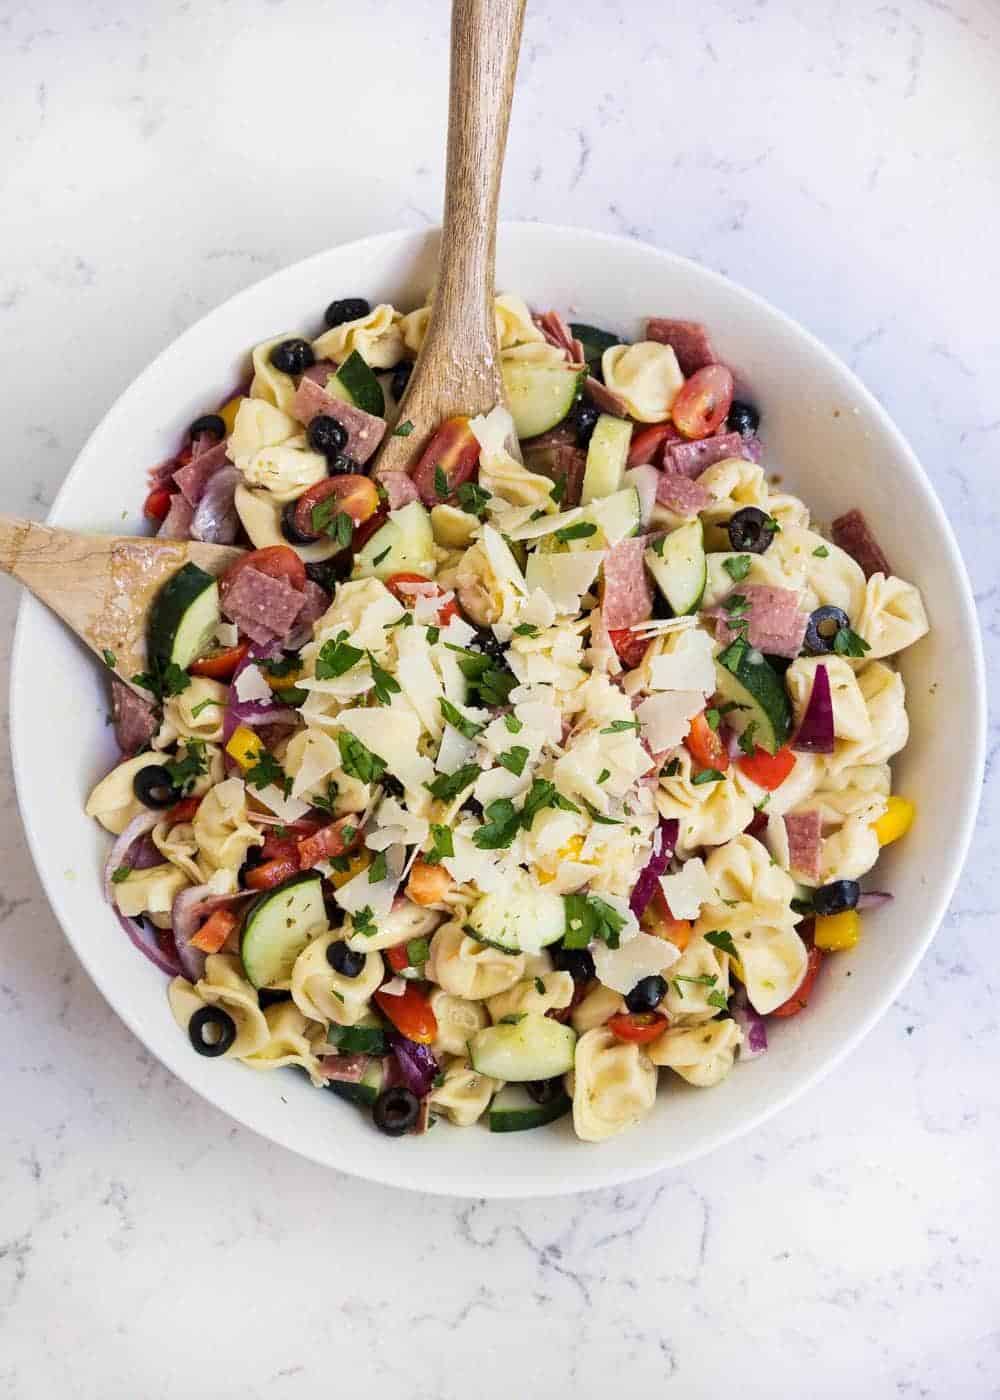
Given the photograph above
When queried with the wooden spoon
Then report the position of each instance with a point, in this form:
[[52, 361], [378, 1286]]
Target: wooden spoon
[[101, 585], [458, 368]]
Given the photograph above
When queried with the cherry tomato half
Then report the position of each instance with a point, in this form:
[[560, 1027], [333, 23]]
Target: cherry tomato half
[[445, 613], [659, 921], [639, 1027], [277, 561], [647, 442], [799, 999], [183, 811], [397, 957], [448, 460], [220, 665], [271, 873], [631, 648], [767, 770], [705, 746], [702, 406], [158, 504], [411, 1014], [350, 494]]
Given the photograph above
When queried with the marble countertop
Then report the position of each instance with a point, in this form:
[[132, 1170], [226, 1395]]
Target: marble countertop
[[841, 158]]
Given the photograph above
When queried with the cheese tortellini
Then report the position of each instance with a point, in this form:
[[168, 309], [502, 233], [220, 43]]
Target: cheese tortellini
[[701, 972], [889, 726], [703, 1055], [645, 376], [377, 337], [552, 992], [268, 383], [221, 826], [751, 888], [291, 1040], [708, 814], [198, 712], [772, 962], [457, 1021], [223, 985], [469, 969], [149, 891], [463, 1094], [113, 801], [612, 1085], [893, 616], [324, 994], [850, 713], [828, 576]]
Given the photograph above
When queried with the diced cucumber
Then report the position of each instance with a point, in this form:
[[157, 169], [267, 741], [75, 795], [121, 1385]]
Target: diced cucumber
[[616, 517], [594, 341], [518, 1051], [356, 383], [513, 1110], [678, 565], [607, 456], [405, 543], [278, 925], [539, 396], [366, 1090], [744, 677], [518, 920], [184, 616], [365, 1038]]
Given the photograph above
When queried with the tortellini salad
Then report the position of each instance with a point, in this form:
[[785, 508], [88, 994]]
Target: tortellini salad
[[486, 790]]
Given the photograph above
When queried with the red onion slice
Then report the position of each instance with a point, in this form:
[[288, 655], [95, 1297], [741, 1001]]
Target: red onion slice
[[148, 940], [215, 520], [190, 909], [645, 886], [751, 1024], [417, 1066], [816, 730], [137, 828], [345, 1069], [874, 899]]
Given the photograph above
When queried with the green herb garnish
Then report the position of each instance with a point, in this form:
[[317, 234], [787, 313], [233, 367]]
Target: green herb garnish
[[579, 530], [448, 785], [468, 728], [514, 759], [386, 685], [738, 567], [336, 657], [403, 430], [472, 498], [358, 761], [707, 775], [848, 643]]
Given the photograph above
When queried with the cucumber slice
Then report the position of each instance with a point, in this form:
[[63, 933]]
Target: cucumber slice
[[743, 677], [366, 1038], [409, 539], [594, 341], [607, 456], [278, 925], [355, 383], [532, 1047], [680, 568], [184, 616], [539, 396], [518, 920], [513, 1111], [616, 517], [365, 1091]]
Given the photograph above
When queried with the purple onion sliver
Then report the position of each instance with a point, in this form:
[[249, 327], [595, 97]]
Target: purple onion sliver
[[751, 1024], [646, 884], [417, 1066], [145, 938], [137, 828], [816, 730], [874, 899]]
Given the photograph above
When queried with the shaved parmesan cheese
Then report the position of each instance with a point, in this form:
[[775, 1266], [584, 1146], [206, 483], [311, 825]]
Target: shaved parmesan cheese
[[487, 870], [665, 717], [535, 529], [653, 626], [501, 561], [458, 633], [537, 610], [227, 634], [250, 685], [360, 892], [320, 755], [541, 715], [418, 678], [289, 809], [395, 987], [642, 956], [564, 577], [497, 782], [688, 890], [690, 665], [493, 430], [395, 826], [392, 734], [455, 751]]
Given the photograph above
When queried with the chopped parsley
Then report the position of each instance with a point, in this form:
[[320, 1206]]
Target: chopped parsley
[[722, 939], [363, 922], [737, 567], [325, 801], [433, 633], [707, 775], [163, 679], [448, 785], [444, 844], [492, 682], [441, 488], [468, 728], [418, 950], [203, 705], [621, 726], [657, 545], [183, 771], [736, 606], [821, 552], [377, 870], [598, 817], [512, 724], [704, 979], [383, 555], [514, 759], [472, 498], [526, 629], [110, 660], [336, 657], [268, 770], [718, 999], [746, 741], [539, 986], [514, 1019], [605, 774], [848, 643], [579, 530], [588, 917], [713, 719], [386, 685], [122, 873], [327, 519], [759, 806], [503, 821], [358, 761], [558, 489], [403, 430]]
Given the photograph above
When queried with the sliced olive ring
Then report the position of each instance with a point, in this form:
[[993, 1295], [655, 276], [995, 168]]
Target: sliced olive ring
[[544, 1091], [153, 788], [212, 1031], [822, 629], [290, 530], [750, 530], [836, 897], [212, 423], [345, 960], [396, 1111]]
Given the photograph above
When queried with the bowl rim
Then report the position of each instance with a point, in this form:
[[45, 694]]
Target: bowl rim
[[446, 1182]]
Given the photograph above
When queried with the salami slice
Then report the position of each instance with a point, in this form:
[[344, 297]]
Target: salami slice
[[193, 478], [134, 719], [775, 623], [315, 601], [682, 495], [804, 831], [692, 458], [399, 488], [628, 594], [689, 339], [176, 524], [263, 608], [364, 430], [557, 333], [606, 399], [560, 462], [854, 535]]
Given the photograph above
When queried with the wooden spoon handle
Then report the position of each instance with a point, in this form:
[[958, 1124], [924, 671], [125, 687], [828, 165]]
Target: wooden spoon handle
[[458, 369]]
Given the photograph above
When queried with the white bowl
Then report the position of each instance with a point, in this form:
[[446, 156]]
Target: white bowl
[[831, 442]]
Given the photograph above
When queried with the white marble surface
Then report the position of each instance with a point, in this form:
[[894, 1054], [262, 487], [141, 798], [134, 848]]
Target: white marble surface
[[842, 158]]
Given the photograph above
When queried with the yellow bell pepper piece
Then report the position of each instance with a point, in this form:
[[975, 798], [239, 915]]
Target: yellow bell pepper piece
[[282, 682], [835, 933], [245, 747], [229, 410], [896, 821], [571, 851], [355, 864]]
